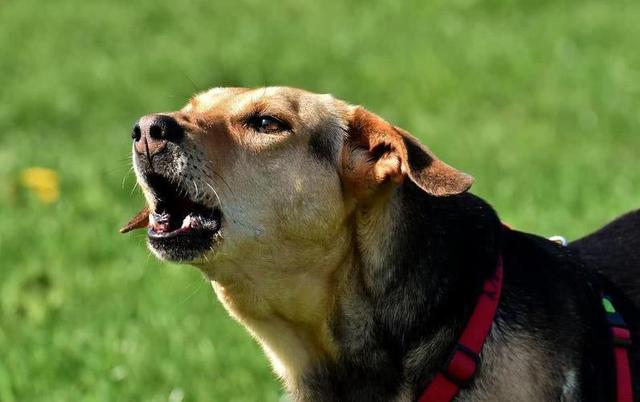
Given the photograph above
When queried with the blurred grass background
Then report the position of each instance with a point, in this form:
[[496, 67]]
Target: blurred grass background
[[539, 100]]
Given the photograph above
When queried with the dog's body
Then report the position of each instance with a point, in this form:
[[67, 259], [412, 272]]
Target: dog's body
[[549, 341], [614, 252], [355, 257]]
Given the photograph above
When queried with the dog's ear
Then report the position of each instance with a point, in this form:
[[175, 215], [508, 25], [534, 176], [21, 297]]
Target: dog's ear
[[377, 152], [140, 220]]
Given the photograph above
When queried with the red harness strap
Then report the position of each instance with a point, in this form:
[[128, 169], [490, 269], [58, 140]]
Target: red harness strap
[[621, 337], [464, 359], [623, 371], [462, 364]]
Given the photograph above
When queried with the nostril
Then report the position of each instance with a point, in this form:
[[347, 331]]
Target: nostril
[[156, 131], [136, 134], [166, 128]]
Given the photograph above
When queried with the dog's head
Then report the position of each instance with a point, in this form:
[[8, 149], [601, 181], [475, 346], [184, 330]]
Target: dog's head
[[263, 177]]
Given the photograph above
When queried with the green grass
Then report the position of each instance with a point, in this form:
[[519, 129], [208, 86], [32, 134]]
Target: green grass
[[539, 100]]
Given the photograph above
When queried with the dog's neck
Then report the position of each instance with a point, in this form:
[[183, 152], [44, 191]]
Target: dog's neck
[[288, 310], [420, 269], [391, 301]]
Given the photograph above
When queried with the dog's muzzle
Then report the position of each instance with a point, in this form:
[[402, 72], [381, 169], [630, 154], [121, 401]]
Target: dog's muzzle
[[181, 225]]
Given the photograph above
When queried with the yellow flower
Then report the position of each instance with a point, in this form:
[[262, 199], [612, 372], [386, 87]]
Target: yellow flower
[[44, 183]]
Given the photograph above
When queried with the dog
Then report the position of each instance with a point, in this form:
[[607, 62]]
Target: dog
[[355, 257], [614, 252]]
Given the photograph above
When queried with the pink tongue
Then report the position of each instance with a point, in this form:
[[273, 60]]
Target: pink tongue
[[161, 227]]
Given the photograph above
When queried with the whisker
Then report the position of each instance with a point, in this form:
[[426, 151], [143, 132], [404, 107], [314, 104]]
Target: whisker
[[218, 175], [214, 191], [196, 186], [124, 179], [227, 212], [184, 73], [197, 287], [126, 176]]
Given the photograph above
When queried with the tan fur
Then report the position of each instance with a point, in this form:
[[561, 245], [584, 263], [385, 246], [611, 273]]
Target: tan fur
[[293, 224], [395, 155]]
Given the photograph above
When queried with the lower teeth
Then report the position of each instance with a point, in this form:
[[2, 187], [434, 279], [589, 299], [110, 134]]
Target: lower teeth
[[186, 222], [160, 223]]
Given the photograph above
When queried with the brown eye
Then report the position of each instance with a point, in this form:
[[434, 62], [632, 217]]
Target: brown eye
[[267, 124]]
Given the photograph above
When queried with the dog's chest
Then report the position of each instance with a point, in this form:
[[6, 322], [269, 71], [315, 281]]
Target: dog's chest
[[517, 368]]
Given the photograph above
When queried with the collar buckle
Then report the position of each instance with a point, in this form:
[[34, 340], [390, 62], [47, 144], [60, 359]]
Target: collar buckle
[[461, 366]]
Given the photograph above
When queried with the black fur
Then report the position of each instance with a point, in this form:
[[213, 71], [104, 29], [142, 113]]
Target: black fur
[[443, 249], [614, 251], [322, 147]]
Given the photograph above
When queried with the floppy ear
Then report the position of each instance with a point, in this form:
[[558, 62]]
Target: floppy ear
[[140, 220], [379, 153]]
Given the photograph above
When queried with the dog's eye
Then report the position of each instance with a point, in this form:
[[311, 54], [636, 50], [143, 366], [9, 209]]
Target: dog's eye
[[267, 124]]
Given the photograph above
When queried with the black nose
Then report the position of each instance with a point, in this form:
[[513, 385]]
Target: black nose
[[151, 133]]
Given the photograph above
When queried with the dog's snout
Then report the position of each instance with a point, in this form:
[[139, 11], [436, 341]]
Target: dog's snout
[[152, 132]]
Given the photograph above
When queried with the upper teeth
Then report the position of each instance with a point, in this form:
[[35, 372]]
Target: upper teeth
[[159, 218]]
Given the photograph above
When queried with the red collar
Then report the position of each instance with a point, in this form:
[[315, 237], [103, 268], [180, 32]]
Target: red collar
[[462, 364]]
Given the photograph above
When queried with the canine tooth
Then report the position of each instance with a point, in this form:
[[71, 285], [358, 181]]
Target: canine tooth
[[186, 222]]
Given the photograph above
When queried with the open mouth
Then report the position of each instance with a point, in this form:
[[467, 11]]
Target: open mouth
[[180, 228]]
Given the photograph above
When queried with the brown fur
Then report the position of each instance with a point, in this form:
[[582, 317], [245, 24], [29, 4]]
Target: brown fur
[[311, 218], [286, 300]]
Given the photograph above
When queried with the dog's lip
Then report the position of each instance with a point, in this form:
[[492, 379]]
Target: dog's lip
[[153, 234], [177, 214]]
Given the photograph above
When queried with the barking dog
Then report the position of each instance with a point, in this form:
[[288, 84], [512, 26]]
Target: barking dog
[[355, 257]]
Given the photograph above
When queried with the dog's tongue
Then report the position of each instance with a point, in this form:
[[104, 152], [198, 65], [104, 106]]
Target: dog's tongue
[[141, 220]]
